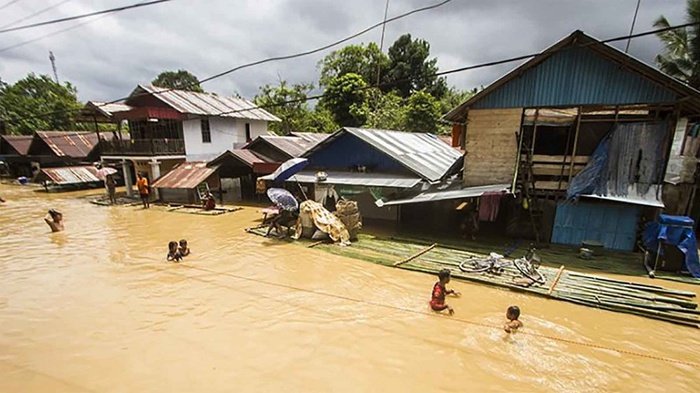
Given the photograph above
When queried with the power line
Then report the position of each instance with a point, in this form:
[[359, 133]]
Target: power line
[[41, 11], [52, 34], [221, 74], [9, 3], [441, 73], [634, 20], [69, 18], [436, 315]]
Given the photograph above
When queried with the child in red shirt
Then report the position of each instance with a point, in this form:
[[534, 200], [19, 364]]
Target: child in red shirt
[[437, 302]]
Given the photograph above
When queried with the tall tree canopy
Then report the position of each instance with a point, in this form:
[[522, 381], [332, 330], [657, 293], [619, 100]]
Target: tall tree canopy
[[410, 70], [289, 103], [180, 79], [24, 105], [422, 113], [363, 60], [346, 98], [681, 58]]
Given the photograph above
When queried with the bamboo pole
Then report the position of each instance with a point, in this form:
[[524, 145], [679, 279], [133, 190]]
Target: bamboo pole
[[556, 280], [573, 152], [416, 255]]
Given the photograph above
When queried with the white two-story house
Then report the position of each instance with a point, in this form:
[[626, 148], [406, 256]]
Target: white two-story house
[[169, 126]]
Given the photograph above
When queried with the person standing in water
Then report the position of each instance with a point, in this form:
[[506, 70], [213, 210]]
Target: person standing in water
[[55, 220], [437, 302], [142, 185], [111, 189]]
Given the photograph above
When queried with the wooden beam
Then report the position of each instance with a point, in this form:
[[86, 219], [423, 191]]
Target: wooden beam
[[573, 153], [517, 154]]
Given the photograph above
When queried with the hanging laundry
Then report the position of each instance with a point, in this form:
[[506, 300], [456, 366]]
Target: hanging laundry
[[489, 204]]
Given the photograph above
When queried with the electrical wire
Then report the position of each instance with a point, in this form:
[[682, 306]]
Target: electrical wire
[[75, 17], [441, 73], [9, 3], [452, 319], [39, 12], [404, 15]]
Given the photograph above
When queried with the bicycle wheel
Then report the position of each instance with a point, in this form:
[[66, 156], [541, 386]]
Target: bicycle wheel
[[475, 265], [526, 269]]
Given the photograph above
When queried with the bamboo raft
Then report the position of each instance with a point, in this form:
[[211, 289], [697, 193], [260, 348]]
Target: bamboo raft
[[651, 301]]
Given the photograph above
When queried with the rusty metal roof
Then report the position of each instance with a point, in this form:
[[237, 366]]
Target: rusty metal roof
[[206, 104], [72, 144], [186, 175], [18, 142], [70, 174], [247, 157], [293, 145], [311, 138]]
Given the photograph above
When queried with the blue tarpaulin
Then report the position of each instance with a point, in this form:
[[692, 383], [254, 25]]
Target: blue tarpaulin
[[678, 231]]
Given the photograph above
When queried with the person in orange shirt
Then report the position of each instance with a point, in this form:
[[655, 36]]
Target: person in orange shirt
[[142, 185]]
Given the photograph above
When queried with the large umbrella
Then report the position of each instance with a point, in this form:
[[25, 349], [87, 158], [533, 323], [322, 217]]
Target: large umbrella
[[288, 169], [103, 172], [282, 198]]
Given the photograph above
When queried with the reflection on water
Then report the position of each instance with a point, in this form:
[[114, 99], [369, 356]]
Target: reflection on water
[[97, 308]]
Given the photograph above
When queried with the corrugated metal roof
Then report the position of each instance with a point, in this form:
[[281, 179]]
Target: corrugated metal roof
[[290, 145], [580, 70], [422, 153], [71, 174], [355, 179], [311, 138], [207, 104], [186, 175], [69, 143], [447, 194], [247, 157], [20, 143], [107, 109]]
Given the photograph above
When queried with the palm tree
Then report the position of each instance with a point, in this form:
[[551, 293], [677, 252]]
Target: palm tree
[[682, 53]]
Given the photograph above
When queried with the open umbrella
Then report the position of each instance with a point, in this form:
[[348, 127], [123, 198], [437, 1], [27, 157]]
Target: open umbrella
[[103, 172], [288, 169], [282, 198]]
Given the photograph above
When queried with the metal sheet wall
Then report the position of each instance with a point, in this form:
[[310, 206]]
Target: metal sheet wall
[[576, 76], [612, 224]]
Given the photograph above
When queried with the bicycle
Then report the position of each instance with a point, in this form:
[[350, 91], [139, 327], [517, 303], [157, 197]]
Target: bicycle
[[527, 265]]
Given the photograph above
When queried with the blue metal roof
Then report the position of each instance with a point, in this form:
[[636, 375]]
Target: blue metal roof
[[581, 70], [576, 76]]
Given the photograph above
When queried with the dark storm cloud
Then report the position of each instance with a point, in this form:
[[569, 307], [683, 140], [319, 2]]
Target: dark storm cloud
[[105, 59]]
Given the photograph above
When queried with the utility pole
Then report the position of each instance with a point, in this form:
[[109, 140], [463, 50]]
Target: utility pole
[[53, 65], [634, 20], [381, 42]]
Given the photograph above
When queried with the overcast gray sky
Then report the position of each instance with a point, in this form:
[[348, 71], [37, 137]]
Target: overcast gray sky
[[107, 57]]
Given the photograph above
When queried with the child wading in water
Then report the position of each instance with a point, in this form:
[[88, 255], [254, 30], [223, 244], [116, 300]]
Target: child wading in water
[[183, 249], [513, 324], [437, 302], [173, 252]]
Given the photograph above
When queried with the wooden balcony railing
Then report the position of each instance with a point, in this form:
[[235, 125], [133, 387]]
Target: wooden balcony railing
[[143, 147]]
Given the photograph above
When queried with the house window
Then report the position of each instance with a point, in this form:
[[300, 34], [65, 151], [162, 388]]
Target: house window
[[206, 131], [247, 132]]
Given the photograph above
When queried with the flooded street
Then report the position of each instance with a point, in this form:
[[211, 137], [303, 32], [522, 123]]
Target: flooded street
[[97, 308]]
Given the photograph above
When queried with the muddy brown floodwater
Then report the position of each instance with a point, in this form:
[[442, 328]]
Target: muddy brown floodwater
[[97, 308]]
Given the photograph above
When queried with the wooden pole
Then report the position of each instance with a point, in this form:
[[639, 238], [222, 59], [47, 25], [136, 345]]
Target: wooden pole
[[517, 153], [556, 280], [416, 255], [573, 153]]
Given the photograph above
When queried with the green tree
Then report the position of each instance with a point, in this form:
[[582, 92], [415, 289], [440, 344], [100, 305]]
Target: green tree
[[681, 56], [422, 113], [38, 103], [290, 104], [180, 79], [346, 99], [454, 97], [387, 110], [363, 60], [410, 70]]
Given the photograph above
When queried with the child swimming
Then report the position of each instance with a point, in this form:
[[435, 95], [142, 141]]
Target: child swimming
[[437, 301], [173, 253], [513, 324]]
